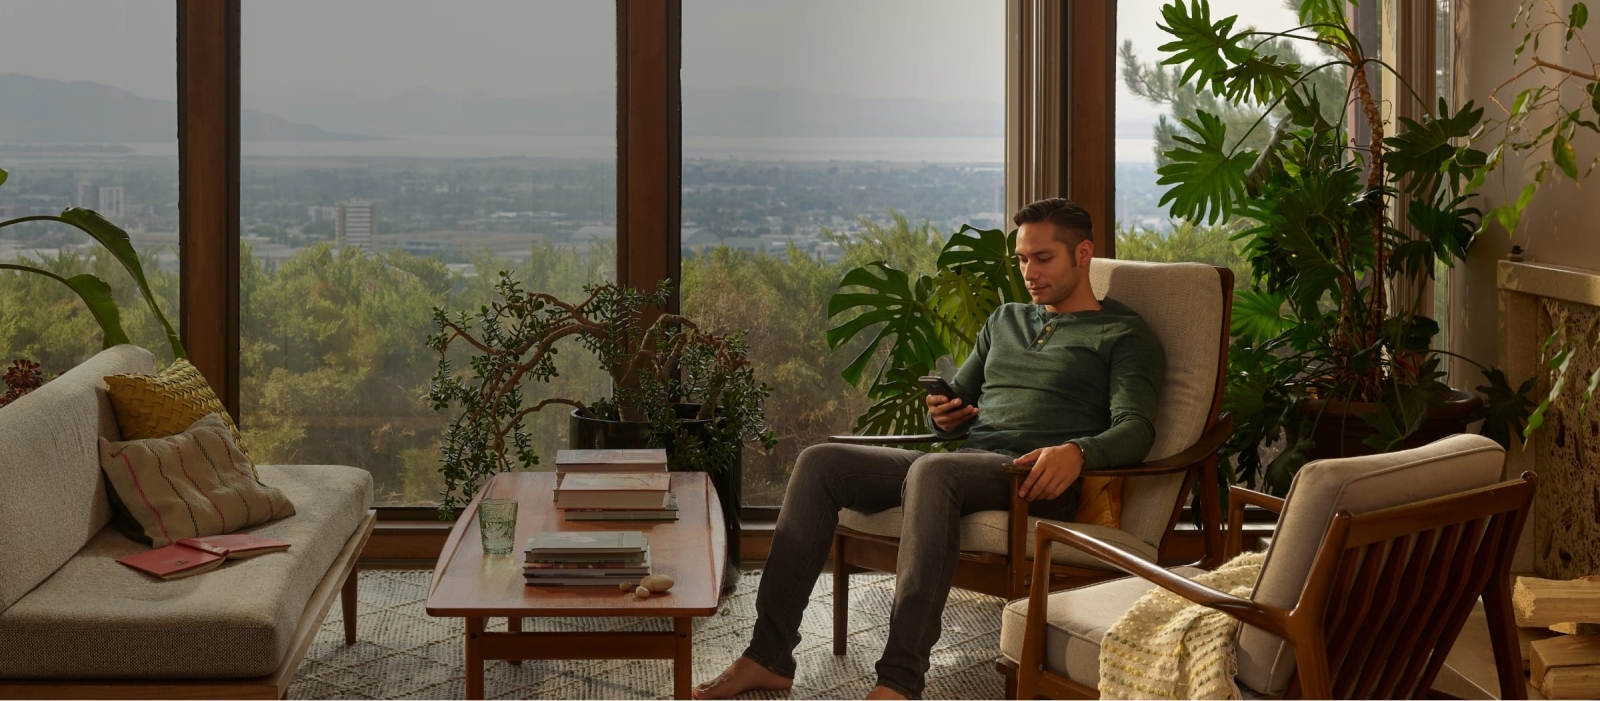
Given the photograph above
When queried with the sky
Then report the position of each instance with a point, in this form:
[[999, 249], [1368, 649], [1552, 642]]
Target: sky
[[932, 49]]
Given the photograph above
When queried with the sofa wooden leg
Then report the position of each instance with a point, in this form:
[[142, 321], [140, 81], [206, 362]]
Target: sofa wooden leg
[[347, 602]]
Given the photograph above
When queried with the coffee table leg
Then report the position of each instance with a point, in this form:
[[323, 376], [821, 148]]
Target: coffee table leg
[[514, 625], [474, 665], [683, 659]]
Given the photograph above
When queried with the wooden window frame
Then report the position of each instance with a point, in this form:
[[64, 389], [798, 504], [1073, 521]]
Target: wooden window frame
[[1059, 141]]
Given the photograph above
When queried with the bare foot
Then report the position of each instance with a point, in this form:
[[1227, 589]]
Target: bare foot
[[883, 692], [741, 676]]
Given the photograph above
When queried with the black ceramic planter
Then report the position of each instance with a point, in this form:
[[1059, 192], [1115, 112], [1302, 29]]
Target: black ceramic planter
[[602, 434]]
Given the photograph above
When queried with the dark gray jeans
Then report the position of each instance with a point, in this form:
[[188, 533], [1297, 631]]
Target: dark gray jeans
[[935, 489]]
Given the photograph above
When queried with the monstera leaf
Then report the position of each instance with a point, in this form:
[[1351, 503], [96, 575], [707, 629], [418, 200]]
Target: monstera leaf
[[1204, 48], [898, 308], [989, 254], [961, 303], [898, 407], [1205, 180]]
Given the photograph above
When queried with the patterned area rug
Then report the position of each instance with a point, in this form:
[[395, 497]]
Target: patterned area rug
[[402, 653]]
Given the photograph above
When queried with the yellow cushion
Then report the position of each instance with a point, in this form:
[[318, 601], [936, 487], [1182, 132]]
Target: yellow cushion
[[1100, 503], [166, 404]]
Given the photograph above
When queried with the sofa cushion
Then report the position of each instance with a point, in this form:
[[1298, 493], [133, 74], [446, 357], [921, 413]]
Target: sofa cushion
[[1075, 622], [193, 484], [985, 532], [53, 500], [159, 405], [95, 618]]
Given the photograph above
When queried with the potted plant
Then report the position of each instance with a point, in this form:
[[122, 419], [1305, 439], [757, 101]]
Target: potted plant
[[1325, 360], [674, 386], [95, 292], [917, 321]]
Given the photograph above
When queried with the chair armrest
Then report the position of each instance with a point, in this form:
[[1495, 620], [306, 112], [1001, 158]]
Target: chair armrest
[[1209, 443], [1238, 498], [893, 440], [1269, 618]]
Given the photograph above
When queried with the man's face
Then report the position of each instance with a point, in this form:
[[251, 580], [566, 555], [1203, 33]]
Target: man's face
[[1051, 270]]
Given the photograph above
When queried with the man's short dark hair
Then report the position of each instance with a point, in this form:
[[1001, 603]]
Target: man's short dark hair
[[1071, 221]]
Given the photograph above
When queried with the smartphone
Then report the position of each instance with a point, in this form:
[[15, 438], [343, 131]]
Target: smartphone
[[936, 385]]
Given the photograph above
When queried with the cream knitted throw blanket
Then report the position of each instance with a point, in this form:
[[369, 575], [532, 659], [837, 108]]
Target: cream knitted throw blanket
[[1168, 648]]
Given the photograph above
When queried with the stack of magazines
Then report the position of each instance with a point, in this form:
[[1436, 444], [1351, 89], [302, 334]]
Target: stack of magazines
[[577, 559]]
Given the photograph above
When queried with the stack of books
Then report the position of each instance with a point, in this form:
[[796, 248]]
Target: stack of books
[[640, 460], [614, 485], [581, 559]]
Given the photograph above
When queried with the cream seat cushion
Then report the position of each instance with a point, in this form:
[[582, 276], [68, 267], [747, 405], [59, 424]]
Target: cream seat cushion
[[95, 618], [1077, 620], [985, 532]]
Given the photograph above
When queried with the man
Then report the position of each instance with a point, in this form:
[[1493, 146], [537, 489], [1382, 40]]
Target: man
[[1065, 384]]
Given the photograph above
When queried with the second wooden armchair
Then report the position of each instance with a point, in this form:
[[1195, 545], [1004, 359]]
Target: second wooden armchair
[[1188, 307]]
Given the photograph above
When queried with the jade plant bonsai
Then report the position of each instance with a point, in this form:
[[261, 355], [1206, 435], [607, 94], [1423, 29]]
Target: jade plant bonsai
[[654, 368]]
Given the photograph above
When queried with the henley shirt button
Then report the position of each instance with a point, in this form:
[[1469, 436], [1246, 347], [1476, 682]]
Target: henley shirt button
[[1041, 340]]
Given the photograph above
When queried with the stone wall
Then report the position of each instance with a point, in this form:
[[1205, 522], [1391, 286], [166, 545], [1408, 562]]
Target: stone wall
[[1566, 518]]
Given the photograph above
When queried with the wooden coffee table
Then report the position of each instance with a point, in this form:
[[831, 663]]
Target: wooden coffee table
[[469, 584]]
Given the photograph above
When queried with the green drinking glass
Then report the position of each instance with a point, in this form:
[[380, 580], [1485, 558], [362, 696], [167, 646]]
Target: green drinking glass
[[497, 520]]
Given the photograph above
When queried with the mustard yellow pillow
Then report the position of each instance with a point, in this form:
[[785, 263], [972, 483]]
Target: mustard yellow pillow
[[1100, 502], [166, 404]]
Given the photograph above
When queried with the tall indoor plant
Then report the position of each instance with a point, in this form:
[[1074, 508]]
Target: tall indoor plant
[[1325, 360], [95, 292]]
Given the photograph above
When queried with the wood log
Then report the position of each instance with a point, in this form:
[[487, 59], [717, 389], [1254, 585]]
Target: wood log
[[1577, 628], [1541, 603], [1566, 667]]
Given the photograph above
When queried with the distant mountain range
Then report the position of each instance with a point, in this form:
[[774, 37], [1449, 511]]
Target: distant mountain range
[[734, 112], [38, 110], [43, 111]]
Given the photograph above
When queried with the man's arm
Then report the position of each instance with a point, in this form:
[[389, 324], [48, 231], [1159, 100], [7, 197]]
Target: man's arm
[[968, 384], [1138, 367]]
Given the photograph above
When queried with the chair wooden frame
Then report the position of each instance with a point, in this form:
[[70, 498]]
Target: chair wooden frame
[[1362, 572], [1009, 575], [340, 580]]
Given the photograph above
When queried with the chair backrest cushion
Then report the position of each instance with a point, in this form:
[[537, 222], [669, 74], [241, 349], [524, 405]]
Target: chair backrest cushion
[[53, 499], [1184, 304], [1360, 484]]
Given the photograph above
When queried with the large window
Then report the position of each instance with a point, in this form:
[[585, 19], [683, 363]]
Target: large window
[[818, 136], [393, 161], [90, 122]]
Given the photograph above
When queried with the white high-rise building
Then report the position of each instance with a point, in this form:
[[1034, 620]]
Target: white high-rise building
[[110, 202], [356, 223], [87, 195]]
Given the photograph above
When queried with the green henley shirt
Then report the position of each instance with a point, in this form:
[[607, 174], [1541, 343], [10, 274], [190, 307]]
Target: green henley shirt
[[1040, 379]]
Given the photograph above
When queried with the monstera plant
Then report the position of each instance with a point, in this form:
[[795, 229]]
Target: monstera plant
[[95, 292], [912, 322], [1323, 346]]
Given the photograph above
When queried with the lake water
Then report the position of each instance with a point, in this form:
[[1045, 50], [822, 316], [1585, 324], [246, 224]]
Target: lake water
[[986, 151]]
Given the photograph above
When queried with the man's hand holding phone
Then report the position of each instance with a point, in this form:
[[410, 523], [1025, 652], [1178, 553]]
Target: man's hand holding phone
[[947, 409]]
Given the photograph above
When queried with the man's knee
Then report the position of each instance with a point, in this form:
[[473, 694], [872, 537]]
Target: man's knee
[[935, 470], [820, 462]]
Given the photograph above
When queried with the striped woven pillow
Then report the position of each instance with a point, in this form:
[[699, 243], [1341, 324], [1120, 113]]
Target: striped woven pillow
[[195, 483]]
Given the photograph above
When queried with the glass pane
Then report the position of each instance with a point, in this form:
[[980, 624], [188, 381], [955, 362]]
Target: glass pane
[[395, 157], [816, 139], [90, 122], [1148, 112]]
